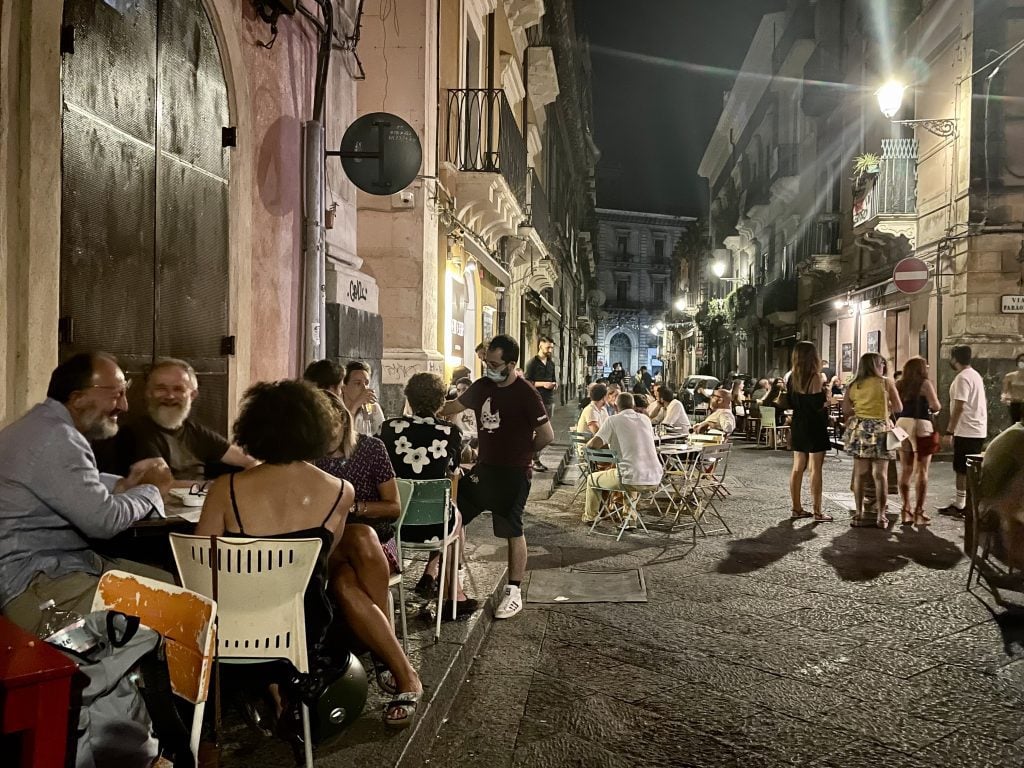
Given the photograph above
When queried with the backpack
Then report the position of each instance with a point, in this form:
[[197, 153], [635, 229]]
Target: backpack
[[127, 709]]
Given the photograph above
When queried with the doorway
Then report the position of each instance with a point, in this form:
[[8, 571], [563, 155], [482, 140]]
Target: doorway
[[620, 350], [144, 191]]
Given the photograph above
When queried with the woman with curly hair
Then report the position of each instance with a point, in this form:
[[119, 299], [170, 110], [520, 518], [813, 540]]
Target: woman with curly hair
[[920, 404], [870, 400]]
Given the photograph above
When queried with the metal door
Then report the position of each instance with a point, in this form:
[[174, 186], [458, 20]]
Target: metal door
[[144, 265]]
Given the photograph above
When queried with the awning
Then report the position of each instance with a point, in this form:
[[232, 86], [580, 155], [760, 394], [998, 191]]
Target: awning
[[487, 261]]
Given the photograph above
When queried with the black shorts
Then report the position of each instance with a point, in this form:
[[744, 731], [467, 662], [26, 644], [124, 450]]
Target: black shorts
[[962, 448], [502, 490]]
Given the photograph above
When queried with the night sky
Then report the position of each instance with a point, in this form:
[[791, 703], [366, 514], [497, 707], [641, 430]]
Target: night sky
[[660, 68]]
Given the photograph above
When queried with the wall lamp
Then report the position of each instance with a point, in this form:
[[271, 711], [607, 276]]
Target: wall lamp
[[890, 100]]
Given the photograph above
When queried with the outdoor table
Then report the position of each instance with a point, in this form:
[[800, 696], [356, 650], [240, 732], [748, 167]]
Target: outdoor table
[[147, 541], [35, 688], [677, 481]]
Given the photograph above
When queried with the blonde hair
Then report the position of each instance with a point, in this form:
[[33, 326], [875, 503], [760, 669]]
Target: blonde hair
[[348, 437]]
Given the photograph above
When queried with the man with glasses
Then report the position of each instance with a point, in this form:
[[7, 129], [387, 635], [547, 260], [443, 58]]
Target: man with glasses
[[192, 451], [53, 499], [512, 428]]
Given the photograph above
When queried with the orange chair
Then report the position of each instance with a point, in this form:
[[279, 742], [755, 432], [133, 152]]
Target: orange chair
[[184, 618]]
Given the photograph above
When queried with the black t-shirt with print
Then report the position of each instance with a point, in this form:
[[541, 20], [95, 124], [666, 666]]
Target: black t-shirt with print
[[422, 448], [506, 419]]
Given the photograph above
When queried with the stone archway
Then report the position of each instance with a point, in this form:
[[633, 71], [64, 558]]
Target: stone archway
[[620, 350]]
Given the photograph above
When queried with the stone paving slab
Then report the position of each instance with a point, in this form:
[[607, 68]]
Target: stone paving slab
[[781, 644]]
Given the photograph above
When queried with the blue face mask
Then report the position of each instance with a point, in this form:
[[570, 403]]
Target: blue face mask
[[494, 375]]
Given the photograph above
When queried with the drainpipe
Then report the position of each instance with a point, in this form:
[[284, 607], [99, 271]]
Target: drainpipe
[[314, 275]]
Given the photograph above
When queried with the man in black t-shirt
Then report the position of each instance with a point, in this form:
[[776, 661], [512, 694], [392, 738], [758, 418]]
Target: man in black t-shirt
[[512, 426], [165, 430], [540, 372]]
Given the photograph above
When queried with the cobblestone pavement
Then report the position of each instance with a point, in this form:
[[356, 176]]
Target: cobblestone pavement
[[783, 643]]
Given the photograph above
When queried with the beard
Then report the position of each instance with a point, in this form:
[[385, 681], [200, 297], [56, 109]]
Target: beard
[[169, 416], [99, 426]]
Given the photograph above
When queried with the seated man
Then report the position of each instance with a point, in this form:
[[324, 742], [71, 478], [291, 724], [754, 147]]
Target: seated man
[[53, 499], [594, 414], [721, 417], [167, 432], [631, 436], [1002, 490], [669, 410]]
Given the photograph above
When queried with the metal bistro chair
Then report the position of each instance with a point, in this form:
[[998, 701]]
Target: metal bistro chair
[[609, 510], [981, 533], [578, 444], [260, 590], [713, 463], [426, 502], [682, 465], [186, 621], [396, 580]]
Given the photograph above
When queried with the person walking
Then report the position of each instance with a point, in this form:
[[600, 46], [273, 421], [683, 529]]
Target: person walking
[[920, 404], [869, 401], [540, 372], [513, 427], [968, 421], [1012, 395], [809, 399]]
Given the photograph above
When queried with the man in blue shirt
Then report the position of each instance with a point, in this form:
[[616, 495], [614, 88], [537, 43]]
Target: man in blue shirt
[[53, 499]]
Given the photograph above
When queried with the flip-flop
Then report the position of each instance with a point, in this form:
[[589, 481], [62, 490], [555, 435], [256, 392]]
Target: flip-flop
[[406, 703], [823, 517], [800, 514]]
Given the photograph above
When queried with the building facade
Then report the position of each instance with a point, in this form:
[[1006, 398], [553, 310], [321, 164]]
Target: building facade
[[635, 287]]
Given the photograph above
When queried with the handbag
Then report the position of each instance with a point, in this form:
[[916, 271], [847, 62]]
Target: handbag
[[741, 411], [896, 435]]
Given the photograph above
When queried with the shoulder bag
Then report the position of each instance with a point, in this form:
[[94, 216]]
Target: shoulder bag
[[896, 435]]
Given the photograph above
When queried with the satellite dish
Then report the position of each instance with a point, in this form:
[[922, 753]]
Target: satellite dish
[[380, 153]]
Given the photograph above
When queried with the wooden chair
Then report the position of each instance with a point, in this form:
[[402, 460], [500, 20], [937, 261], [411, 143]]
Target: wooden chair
[[185, 619]]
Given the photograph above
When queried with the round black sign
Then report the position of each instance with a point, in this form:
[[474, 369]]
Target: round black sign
[[381, 153]]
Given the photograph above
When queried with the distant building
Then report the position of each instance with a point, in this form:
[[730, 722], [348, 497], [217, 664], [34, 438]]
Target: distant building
[[635, 286]]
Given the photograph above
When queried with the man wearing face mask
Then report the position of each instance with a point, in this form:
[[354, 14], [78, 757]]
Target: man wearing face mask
[[1013, 391], [512, 426], [53, 499]]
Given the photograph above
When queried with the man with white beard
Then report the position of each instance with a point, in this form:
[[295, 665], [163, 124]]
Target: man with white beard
[[166, 430]]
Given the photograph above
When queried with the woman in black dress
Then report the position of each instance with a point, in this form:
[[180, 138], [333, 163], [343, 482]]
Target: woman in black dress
[[809, 400]]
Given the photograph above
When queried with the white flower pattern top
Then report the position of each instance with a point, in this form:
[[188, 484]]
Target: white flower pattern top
[[422, 448]]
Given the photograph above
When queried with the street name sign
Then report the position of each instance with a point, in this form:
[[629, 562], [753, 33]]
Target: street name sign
[[1012, 305], [910, 275]]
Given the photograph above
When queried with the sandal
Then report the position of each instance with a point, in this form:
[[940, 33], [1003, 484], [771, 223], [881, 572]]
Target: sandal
[[385, 679], [823, 517], [906, 516], [404, 703], [799, 514], [921, 519], [882, 521], [426, 587]]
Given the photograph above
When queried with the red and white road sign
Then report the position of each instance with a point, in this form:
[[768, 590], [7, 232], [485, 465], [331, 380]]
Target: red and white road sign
[[911, 275]]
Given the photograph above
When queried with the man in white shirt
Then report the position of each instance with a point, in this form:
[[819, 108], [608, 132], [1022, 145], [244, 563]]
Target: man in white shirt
[[721, 417], [631, 436], [669, 410], [968, 421], [593, 414]]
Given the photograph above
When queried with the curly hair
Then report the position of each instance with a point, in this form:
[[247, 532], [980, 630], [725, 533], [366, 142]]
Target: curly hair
[[285, 421], [425, 393]]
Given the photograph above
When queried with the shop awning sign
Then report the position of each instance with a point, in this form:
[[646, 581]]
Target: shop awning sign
[[1012, 305], [910, 275]]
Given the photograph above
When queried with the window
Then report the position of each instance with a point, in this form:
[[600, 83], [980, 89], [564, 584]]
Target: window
[[659, 249], [658, 291], [622, 290], [623, 243]]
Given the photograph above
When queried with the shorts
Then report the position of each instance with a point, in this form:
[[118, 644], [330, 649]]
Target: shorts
[[503, 491], [962, 448]]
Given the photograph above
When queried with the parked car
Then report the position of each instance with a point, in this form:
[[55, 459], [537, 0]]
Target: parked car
[[690, 386]]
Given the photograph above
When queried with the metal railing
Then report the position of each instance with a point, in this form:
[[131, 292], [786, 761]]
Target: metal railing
[[482, 136], [894, 189], [540, 212]]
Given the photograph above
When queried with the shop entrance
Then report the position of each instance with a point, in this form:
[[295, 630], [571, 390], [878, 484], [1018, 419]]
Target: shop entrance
[[144, 191]]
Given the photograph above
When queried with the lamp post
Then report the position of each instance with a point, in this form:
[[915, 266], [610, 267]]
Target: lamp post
[[890, 100]]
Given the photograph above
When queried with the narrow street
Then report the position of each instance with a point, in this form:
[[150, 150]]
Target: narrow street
[[783, 643]]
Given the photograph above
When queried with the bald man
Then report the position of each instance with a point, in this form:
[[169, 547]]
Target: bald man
[[721, 417]]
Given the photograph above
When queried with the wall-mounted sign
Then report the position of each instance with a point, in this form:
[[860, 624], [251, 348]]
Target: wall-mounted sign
[[1012, 305]]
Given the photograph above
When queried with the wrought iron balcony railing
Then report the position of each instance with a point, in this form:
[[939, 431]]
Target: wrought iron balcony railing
[[893, 191], [482, 136], [539, 214]]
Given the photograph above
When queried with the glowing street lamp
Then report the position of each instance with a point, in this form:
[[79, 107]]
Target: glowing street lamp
[[890, 99], [718, 268], [680, 305]]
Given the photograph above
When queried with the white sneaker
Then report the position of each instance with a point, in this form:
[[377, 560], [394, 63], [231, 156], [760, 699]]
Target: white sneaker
[[511, 603]]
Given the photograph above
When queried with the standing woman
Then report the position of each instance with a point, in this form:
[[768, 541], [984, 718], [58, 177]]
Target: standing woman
[[869, 401], [809, 399], [920, 403]]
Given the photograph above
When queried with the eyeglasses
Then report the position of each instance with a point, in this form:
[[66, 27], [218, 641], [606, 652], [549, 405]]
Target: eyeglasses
[[199, 489], [119, 392]]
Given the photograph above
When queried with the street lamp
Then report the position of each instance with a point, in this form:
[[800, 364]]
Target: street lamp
[[718, 268], [890, 99]]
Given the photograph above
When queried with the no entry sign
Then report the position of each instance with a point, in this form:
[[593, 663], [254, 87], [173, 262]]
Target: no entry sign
[[910, 275]]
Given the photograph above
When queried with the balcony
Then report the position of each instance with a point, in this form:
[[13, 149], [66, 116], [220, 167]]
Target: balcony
[[539, 214], [885, 207], [783, 162], [486, 153]]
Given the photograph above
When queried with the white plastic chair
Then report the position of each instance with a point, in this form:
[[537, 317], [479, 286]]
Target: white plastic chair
[[261, 584], [186, 621], [770, 426], [426, 502]]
